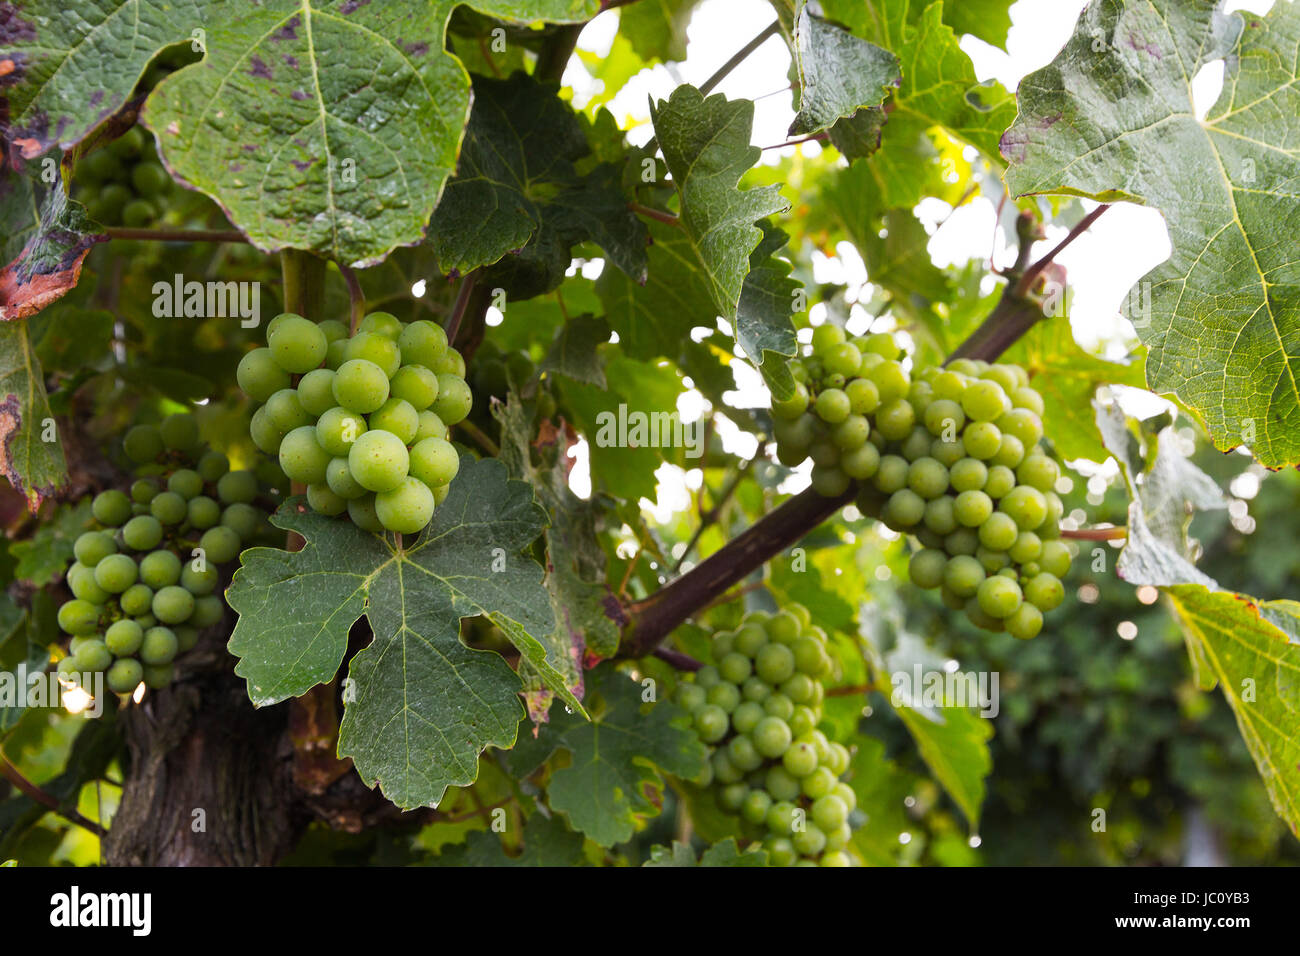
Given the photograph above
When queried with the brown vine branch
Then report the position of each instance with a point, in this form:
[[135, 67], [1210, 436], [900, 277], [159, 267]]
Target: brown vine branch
[[356, 298], [652, 213], [1096, 534], [176, 235], [49, 801], [818, 137], [462, 303], [1031, 274]]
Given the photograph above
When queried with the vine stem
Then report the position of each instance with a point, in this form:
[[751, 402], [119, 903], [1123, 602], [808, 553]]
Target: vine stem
[[14, 776], [652, 213], [356, 298], [304, 294], [176, 235], [462, 303], [1031, 274], [1096, 534]]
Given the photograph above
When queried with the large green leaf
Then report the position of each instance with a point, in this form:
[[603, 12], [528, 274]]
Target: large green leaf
[[421, 704], [316, 125], [705, 143], [767, 301], [1220, 316], [32, 465], [517, 190], [547, 842], [838, 73], [613, 777], [656, 29]]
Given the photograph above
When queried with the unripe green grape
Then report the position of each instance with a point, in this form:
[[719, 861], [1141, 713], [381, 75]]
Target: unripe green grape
[[316, 392], [810, 657], [707, 676], [743, 754], [337, 429], [972, 508], [415, 385], [860, 463], [780, 851], [422, 343], [826, 337], [792, 407], [82, 583], [851, 433], [950, 386], [259, 376], [969, 474], [302, 457], [992, 561], [829, 482], [123, 638], [829, 812], [158, 676], [172, 604], [375, 348], [864, 397], [920, 395], [774, 663], [266, 435], [124, 676], [212, 465], [185, 482], [203, 512], [381, 323], [208, 610], [138, 213], [78, 617], [724, 771], [143, 490], [111, 508], [1026, 506], [963, 575], [927, 478], [159, 569], [724, 694], [904, 509], [198, 583], [93, 656], [817, 784], [150, 179], [187, 638], [755, 689], [1055, 558], [340, 481], [771, 737], [454, 399], [690, 696], [711, 723], [451, 363], [735, 667], [746, 715], [1038, 471], [362, 513], [803, 720], [891, 476], [844, 359], [1025, 622], [336, 353], [360, 385], [944, 417], [1028, 398], [220, 544], [895, 419], [982, 440], [116, 573], [297, 344], [916, 444], [755, 806], [159, 646], [783, 627], [397, 416], [136, 600], [891, 381], [839, 762], [800, 688], [92, 547], [1027, 547], [1010, 453], [999, 532], [778, 705], [926, 568], [1029, 570], [1024, 424], [947, 453], [732, 796], [984, 401], [1044, 591], [142, 443], [962, 541], [1000, 482], [978, 617], [333, 329], [324, 501], [284, 410], [824, 452], [237, 487], [832, 406], [378, 460], [169, 508], [998, 596], [882, 344]]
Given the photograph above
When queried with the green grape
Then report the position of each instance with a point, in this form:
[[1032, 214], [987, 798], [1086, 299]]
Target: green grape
[[969, 474], [916, 444], [947, 453], [340, 481], [864, 397], [999, 483], [337, 429], [336, 353], [284, 410], [1055, 559], [159, 569], [735, 667], [406, 508], [860, 463], [111, 508], [731, 797], [800, 688], [1027, 547], [724, 771], [802, 720], [382, 323], [431, 426], [824, 453], [724, 694], [792, 407], [826, 337], [324, 501], [882, 344], [832, 406], [169, 508], [150, 179], [851, 433], [781, 817], [378, 349], [116, 573], [991, 561], [743, 754], [926, 568], [810, 657], [755, 690], [972, 508], [939, 517], [690, 696], [977, 616], [397, 416], [711, 722], [963, 575], [360, 385], [1023, 424], [778, 705], [136, 600], [962, 541], [927, 478], [78, 617], [186, 483], [378, 461], [829, 812], [1043, 590], [212, 466], [844, 359], [891, 382], [208, 611], [1026, 506], [142, 443], [891, 476], [302, 457], [944, 417], [265, 434], [143, 490], [783, 627], [1038, 471], [203, 512], [454, 399], [198, 583], [896, 419], [998, 596], [415, 385], [746, 715], [237, 487], [839, 762], [999, 532], [186, 638], [316, 392], [1026, 397], [297, 344], [123, 638], [82, 583], [1025, 622], [904, 509], [755, 806], [93, 657], [334, 329], [781, 784], [780, 851], [1010, 453], [422, 343], [707, 676], [259, 376], [220, 544], [982, 440], [829, 482], [243, 519], [159, 646], [434, 461], [179, 432], [139, 212], [452, 363], [124, 676], [173, 604], [984, 401], [949, 386], [771, 737], [93, 547], [774, 663]]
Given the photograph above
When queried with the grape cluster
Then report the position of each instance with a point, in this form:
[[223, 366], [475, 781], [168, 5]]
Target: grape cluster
[[140, 592], [123, 182], [757, 710], [365, 426], [950, 456]]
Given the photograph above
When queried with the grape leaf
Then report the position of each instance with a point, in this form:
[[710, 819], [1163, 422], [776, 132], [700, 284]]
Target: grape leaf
[[1164, 489], [31, 465], [705, 143], [575, 352], [767, 301], [990, 20], [1068, 378], [547, 842], [517, 190], [48, 552], [723, 853], [613, 777], [838, 73], [57, 236], [656, 29], [1112, 117], [422, 705], [1237, 639]]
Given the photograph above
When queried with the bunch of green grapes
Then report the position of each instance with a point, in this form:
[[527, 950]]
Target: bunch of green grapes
[[144, 579], [123, 183], [361, 420], [757, 710], [950, 456]]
